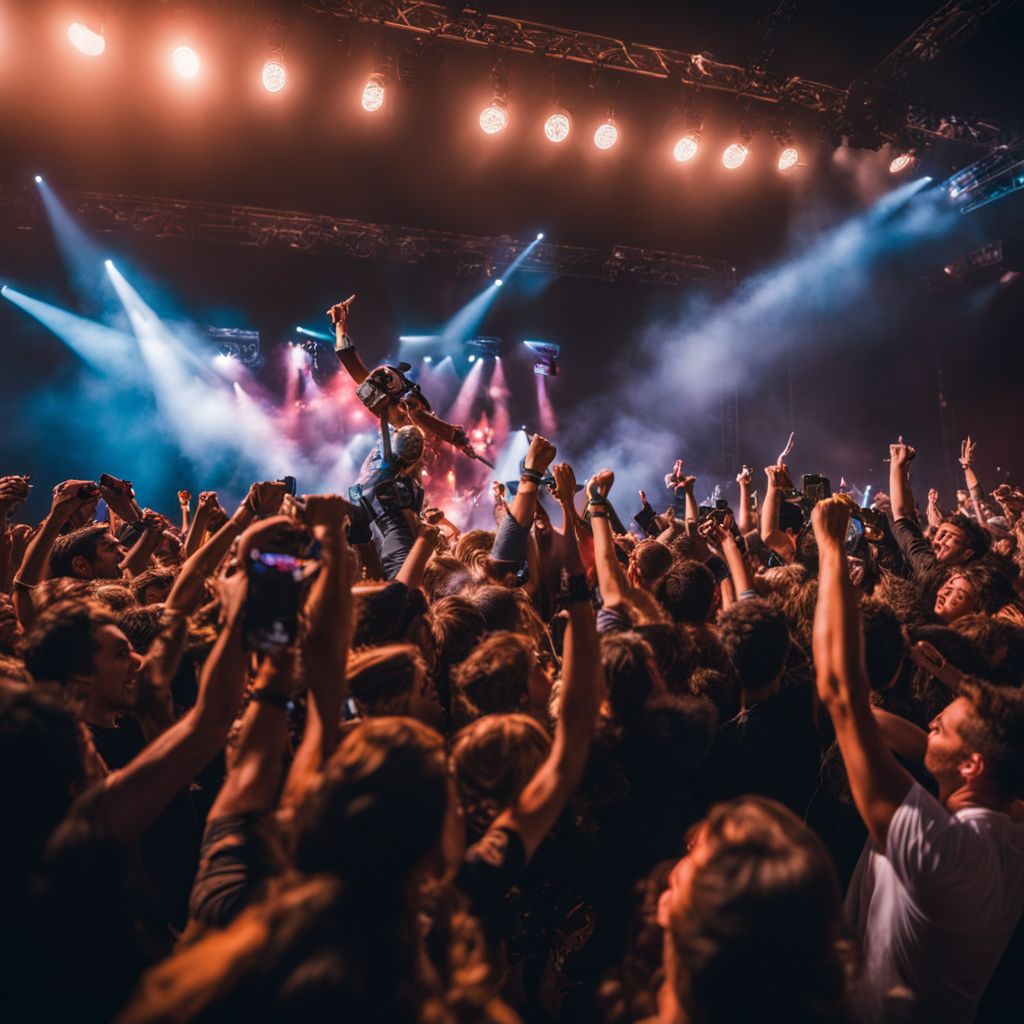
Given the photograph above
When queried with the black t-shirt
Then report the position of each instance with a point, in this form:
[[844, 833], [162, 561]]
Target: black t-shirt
[[119, 745], [771, 749], [235, 862]]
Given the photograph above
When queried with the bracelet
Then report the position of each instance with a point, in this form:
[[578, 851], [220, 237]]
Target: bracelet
[[532, 475], [18, 582], [599, 513], [345, 344], [275, 700]]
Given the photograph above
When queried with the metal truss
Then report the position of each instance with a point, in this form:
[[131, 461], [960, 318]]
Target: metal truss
[[308, 232]]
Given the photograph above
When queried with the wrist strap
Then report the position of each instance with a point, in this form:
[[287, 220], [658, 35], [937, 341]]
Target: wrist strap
[[344, 344], [597, 512], [532, 475]]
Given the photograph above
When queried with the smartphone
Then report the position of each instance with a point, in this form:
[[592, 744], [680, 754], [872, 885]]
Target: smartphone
[[645, 520], [271, 618], [289, 482], [816, 488]]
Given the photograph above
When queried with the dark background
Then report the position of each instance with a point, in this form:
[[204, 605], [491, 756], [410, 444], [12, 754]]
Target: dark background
[[851, 382]]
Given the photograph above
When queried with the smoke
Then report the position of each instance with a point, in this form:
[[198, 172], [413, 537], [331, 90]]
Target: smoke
[[824, 293]]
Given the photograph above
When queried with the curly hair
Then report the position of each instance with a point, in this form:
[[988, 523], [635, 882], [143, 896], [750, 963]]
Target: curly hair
[[687, 592], [756, 641]]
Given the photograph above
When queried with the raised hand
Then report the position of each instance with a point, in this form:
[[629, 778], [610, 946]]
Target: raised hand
[[325, 513], [778, 476], [831, 518], [901, 453], [72, 495], [185, 499], [599, 485], [119, 495], [565, 483], [933, 497], [265, 498], [13, 492], [498, 492], [745, 476], [339, 312], [715, 532], [967, 447], [540, 454]]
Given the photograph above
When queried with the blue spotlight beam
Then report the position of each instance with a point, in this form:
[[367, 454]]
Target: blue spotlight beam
[[104, 348], [309, 333]]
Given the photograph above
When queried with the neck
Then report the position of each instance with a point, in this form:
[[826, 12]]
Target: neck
[[967, 796], [105, 718]]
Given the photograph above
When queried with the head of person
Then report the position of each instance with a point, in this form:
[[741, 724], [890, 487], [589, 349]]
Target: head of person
[[387, 614], [456, 625], [673, 654], [382, 810], [393, 680], [631, 675], [755, 638], [751, 918], [493, 759], [80, 646], [978, 586], [407, 446], [89, 553], [976, 743], [473, 548], [648, 562], [444, 576], [501, 675], [116, 596], [958, 540], [152, 586], [41, 768], [497, 605], [687, 592], [141, 625], [885, 647], [1000, 642]]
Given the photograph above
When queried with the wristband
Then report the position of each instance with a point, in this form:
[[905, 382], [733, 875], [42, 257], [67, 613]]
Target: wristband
[[344, 344], [598, 512], [532, 476], [23, 585], [275, 700]]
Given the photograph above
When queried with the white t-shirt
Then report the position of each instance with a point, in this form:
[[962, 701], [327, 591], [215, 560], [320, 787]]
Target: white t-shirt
[[935, 910]]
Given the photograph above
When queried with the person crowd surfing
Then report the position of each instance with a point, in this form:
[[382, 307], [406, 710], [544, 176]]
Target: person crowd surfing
[[328, 758]]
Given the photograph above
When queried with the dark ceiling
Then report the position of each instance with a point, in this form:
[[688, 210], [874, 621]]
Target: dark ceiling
[[125, 123]]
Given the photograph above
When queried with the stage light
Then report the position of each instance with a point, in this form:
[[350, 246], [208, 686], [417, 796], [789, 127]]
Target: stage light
[[788, 159], [498, 282], [39, 179], [85, 40], [734, 156], [472, 359], [109, 264], [903, 162], [373, 93], [428, 359], [606, 135], [185, 60], [540, 236], [686, 148], [274, 74], [557, 127], [494, 119]]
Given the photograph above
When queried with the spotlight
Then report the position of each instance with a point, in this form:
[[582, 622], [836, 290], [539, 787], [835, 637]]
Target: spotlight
[[557, 127], [788, 159], [373, 93], [472, 359], [494, 119], [428, 359], [85, 40], [686, 148], [109, 264], [274, 74], [606, 135], [903, 162], [185, 60], [498, 282], [39, 179], [540, 236], [734, 155]]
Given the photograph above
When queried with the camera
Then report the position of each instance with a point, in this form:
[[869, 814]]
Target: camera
[[816, 488], [386, 386]]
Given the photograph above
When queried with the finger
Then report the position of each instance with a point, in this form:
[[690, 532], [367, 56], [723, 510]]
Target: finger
[[348, 302]]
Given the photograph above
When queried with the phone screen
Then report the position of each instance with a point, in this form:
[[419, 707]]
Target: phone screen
[[645, 520], [271, 619]]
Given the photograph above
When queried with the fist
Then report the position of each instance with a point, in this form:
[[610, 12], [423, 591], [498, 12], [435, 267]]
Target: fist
[[265, 498], [207, 500], [565, 483], [831, 518], [75, 493], [933, 497], [184, 498], [151, 520], [745, 476], [13, 491], [599, 485], [325, 513], [540, 454], [900, 453], [338, 313], [778, 476]]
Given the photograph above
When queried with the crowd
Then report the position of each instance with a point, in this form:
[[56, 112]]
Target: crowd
[[326, 758]]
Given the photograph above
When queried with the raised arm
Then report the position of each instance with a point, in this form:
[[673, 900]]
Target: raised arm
[[510, 544], [423, 547], [326, 644], [778, 481], [197, 528], [720, 535], [543, 799], [69, 498], [610, 578], [900, 495], [185, 504], [878, 783], [149, 540], [744, 520], [934, 513], [13, 492], [967, 447]]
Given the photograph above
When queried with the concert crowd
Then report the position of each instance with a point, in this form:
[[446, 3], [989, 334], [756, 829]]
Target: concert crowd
[[328, 758]]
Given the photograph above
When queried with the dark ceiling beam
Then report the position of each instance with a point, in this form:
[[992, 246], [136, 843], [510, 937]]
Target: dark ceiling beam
[[20, 210], [936, 37]]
